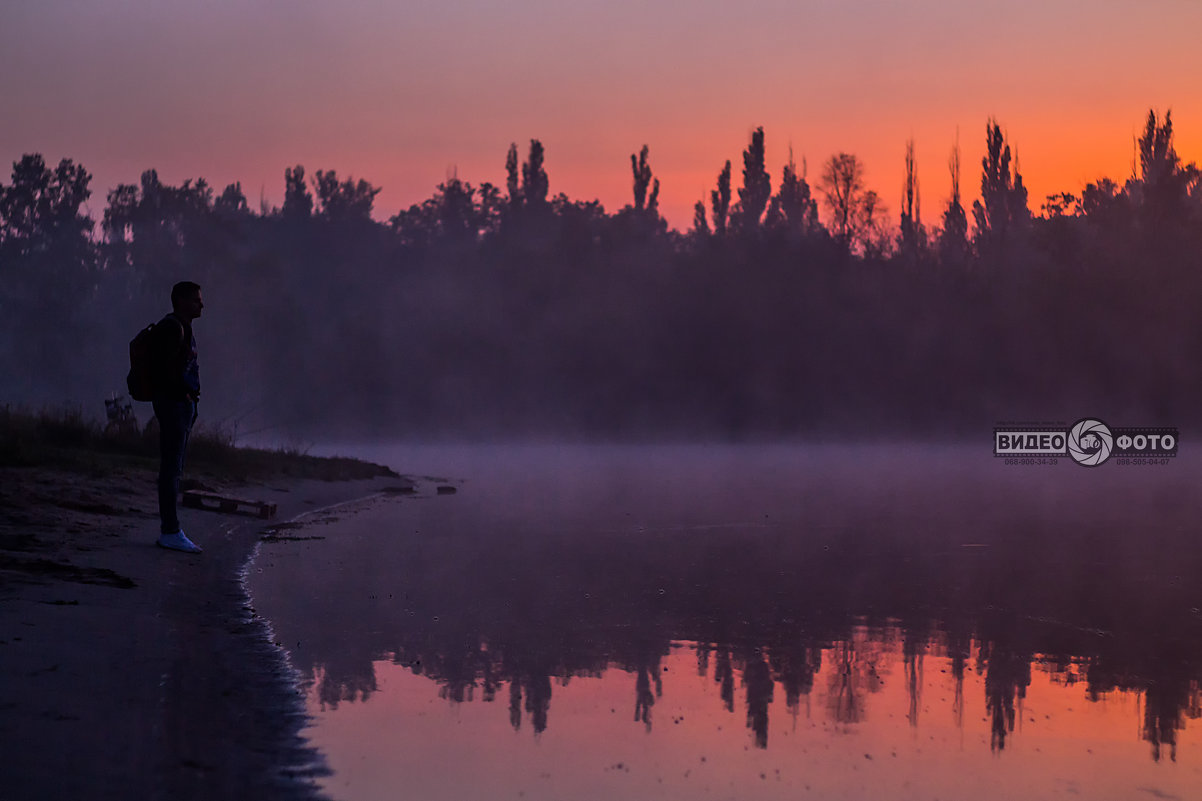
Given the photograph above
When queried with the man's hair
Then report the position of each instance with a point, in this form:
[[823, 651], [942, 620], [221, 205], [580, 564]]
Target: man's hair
[[183, 291]]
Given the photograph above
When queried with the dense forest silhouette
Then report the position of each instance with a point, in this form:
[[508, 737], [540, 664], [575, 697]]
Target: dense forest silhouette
[[494, 309]]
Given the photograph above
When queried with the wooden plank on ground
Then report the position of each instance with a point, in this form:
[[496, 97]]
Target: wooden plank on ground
[[213, 502]]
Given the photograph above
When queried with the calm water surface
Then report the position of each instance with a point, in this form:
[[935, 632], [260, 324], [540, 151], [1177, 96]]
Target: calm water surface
[[750, 622]]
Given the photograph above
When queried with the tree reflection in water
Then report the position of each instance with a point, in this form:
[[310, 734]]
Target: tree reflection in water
[[856, 609], [858, 667]]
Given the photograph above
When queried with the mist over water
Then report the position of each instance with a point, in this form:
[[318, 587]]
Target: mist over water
[[863, 621]]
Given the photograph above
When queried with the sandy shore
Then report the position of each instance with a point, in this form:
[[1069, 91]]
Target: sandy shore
[[128, 671]]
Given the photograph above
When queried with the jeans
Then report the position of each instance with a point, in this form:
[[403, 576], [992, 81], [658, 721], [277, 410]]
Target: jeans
[[175, 424]]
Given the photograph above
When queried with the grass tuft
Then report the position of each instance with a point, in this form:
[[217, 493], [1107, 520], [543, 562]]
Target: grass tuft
[[65, 437]]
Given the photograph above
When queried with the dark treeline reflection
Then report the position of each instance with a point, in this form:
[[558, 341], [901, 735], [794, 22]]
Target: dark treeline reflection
[[832, 617], [512, 309]]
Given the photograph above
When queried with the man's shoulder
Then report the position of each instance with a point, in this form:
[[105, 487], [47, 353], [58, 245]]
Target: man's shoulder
[[169, 331]]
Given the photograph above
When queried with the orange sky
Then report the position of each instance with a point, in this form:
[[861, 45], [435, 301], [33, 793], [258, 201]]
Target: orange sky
[[403, 93]]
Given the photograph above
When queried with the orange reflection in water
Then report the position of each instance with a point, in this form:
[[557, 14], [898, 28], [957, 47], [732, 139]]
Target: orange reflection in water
[[881, 717], [852, 622]]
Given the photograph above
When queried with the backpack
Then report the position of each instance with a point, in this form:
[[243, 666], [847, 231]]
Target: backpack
[[145, 374]]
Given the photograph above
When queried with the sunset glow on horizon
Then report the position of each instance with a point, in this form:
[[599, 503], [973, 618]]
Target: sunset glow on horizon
[[406, 94]]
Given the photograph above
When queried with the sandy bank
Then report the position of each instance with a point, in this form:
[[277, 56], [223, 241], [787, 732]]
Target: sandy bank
[[128, 671]]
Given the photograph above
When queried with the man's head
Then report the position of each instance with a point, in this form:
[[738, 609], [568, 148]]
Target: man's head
[[186, 300]]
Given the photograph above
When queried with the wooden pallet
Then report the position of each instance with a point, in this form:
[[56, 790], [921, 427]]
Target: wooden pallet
[[211, 501]]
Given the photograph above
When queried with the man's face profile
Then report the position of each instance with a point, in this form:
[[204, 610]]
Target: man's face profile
[[192, 306]]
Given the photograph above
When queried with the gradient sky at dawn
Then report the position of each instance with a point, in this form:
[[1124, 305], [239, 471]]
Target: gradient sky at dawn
[[402, 93]]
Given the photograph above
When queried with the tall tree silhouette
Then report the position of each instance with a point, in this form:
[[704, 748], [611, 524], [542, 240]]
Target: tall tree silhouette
[[843, 189], [454, 218], [1158, 160], [793, 208], [512, 176], [720, 201], [459, 218], [1001, 215], [1164, 186], [231, 203], [912, 235], [41, 224], [757, 185], [534, 177], [47, 271], [953, 236], [701, 226], [343, 201], [642, 177], [870, 230], [156, 232], [298, 203]]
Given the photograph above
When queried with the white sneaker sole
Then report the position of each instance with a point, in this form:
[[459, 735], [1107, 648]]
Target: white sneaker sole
[[179, 548]]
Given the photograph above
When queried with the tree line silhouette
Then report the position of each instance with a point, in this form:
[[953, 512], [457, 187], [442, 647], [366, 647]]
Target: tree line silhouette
[[488, 309]]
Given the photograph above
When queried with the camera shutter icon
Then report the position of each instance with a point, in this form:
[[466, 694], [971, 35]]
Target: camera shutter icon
[[1090, 442]]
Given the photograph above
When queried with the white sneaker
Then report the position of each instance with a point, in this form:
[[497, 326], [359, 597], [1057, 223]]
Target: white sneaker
[[178, 542]]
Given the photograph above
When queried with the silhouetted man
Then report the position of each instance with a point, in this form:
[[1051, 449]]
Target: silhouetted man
[[177, 391]]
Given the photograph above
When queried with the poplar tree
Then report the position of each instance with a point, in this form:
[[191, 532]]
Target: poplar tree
[[1001, 214], [720, 200], [642, 177], [534, 177], [911, 207], [757, 185], [1164, 185], [953, 237], [1157, 158], [511, 176], [701, 226]]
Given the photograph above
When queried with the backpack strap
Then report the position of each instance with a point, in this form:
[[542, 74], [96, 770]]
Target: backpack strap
[[183, 329]]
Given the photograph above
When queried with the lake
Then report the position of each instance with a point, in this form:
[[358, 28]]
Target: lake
[[788, 621]]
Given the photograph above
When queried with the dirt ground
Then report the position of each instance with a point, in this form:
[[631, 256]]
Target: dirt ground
[[129, 671]]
